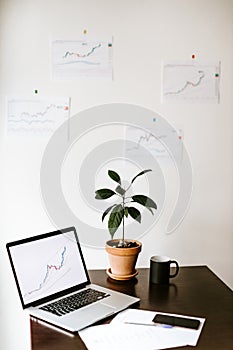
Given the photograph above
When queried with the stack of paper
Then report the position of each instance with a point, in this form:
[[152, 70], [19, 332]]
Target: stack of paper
[[133, 329]]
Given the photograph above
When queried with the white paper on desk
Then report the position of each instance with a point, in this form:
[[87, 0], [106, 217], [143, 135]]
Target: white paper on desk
[[127, 337], [189, 336]]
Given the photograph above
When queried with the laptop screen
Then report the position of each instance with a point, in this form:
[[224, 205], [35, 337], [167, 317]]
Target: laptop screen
[[47, 265]]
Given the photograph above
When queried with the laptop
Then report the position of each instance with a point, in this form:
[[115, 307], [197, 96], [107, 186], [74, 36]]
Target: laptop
[[53, 282]]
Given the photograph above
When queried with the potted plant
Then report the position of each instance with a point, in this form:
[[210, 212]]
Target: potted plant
[[123, 252]]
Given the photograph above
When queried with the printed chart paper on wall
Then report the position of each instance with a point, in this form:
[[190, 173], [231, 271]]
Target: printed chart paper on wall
[[36, 115], [191, 82], [156, 145], [84, 58]]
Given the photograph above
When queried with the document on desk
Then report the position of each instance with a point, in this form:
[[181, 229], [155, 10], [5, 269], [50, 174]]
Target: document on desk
[[133, 329], [125, 337], [145, 317]]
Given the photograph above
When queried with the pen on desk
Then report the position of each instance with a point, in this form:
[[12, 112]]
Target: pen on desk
[[150, 324]]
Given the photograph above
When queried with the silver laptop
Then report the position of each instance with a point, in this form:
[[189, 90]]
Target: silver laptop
[[53, 282]]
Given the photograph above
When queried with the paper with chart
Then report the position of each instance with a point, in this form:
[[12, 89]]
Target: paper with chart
[[126, 337], [191, 82], [173, 334], [83, 58], [36, 115], [122, 335], [142, 140]]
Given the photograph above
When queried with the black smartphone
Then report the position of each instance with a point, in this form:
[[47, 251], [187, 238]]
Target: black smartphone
[[177, 321]]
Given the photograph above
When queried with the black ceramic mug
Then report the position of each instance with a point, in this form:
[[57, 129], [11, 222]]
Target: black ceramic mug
[[160, 267]]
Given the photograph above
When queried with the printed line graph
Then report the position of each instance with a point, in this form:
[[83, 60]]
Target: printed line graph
[[147, 138], [49, 268], [84, 54], [191, 82], [36, 115], [187, 84], [87, 58]]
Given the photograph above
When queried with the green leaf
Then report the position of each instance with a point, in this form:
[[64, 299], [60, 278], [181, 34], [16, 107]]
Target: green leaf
[[135, 214], [145, 201], [107, 211], [126, 212], [104, 193], [114, 176], [141, 173], [115, 219], [120, 190]]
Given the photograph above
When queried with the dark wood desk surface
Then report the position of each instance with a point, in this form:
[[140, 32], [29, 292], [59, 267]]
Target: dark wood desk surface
[[196, 291]]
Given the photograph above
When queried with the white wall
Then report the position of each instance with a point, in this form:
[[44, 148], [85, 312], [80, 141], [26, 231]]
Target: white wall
[[145, 33]]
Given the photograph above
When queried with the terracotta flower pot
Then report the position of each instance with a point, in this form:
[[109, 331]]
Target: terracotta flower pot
[[122, 260]]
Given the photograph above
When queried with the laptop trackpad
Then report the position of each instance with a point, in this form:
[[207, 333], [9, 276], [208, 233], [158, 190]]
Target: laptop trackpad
[[100, 310]]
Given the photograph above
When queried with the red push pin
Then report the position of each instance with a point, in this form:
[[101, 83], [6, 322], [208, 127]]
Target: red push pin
[[193, 56]]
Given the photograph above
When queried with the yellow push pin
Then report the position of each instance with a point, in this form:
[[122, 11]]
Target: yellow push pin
[[85, 31]]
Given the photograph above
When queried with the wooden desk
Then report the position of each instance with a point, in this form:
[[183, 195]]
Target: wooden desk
[[196, 291]]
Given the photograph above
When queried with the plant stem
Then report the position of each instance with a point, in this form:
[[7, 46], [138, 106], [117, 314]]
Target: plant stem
[[128, 187]]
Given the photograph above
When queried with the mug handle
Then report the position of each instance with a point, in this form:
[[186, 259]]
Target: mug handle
[[177, 268]]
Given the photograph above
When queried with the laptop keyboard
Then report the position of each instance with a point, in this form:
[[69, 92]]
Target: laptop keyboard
[[74, 302]]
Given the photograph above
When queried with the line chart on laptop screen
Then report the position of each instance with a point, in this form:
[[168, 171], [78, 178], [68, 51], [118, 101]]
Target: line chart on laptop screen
[[48, 266]]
